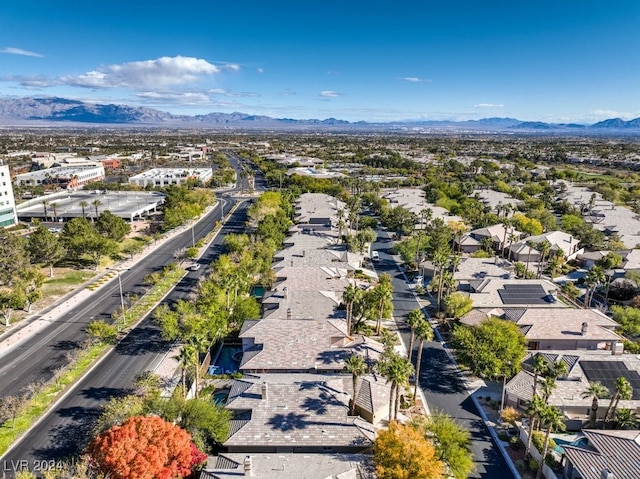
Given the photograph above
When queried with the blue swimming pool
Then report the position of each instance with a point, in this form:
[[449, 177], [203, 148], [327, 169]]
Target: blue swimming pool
[[582, 442], [226, 360]]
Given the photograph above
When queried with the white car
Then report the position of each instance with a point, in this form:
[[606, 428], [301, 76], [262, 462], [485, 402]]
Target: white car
[[195, 267], [375, 256]]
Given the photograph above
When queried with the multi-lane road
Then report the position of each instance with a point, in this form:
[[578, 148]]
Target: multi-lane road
[[64, 431], [440, 381]]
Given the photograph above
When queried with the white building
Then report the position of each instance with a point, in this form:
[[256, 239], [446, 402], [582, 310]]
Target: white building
[[170, 176], [62, 176], [7, 201]]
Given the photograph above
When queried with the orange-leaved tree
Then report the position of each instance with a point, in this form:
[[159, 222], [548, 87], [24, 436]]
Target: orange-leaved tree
[[144, 447], [402, 452]]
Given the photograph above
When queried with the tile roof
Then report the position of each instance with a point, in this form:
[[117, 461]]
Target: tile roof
[[610, 451], [306, 413]]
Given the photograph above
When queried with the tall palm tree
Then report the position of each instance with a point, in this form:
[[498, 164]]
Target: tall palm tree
[[355, 365], [530, 245], [512, 239], [383, 293], [200, 344], [440, 261], [185, 359], [414, 318], [95, 203], [539, 367], [552, 419], [424, 332], [595, 391], [624, 390], [83, 204], [534, 409], [545, 248], [397, 370], [594, 277], [351, 294], [54, 207], [45, 203], [506, 224]]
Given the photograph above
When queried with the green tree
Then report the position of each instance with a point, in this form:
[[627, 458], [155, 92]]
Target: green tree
[[628, 318], [355, 365], [205, 421], [29, 286], [102, 331], [383, 296], [45, 248], [533, 409], [10, 300], [457, 305], [551, 419], [14, 254], [626, 418], [424, 332], [402, 452], [452, 442], [414, 318], [83, 204], [112, 226], [624, 391], [350, 296], [397, 370], [594, 391], [594, 278], [117, 411], [492, 350]]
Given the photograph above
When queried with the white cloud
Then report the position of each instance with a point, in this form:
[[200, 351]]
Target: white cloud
[[260, 70], [20, 51], [488, 105], [413, 79], [173, 97], [606, 114], [161, 72], [31, 82], [329, 94]]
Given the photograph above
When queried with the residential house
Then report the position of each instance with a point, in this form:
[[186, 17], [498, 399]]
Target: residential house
[[561, 242]]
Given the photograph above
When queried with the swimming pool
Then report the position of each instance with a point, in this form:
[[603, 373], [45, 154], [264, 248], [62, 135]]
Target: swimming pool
[[220, 397], [582, 442], [227, 359]]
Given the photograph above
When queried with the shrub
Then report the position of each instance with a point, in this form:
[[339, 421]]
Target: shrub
[[516, 443], [510, 415], [631, 347], [533, 464], [538, 441], [503, 436]]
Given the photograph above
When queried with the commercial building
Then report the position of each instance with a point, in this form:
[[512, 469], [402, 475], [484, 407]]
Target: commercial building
[[7, 201], [68, 177], [170, 176]]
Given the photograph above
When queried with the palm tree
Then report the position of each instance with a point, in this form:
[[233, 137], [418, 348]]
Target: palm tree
[[383, 293], [594, 392], [424, 332], [545, 248], [626, 419], [512, 239], [414, 318], [397, 370], [534, 409], [44, 205], [506, 224], [624, 390], [83, 204], [95, 203], [357, 367], [185, 359], [552, 419], [594, 277], [440, 261], [200, 343], [530, 245], [351, 294], [54, 207], [540, 366]]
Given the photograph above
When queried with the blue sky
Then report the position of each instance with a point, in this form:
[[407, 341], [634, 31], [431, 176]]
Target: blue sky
[[561, 60]]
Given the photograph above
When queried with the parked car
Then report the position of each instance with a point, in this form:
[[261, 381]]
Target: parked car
[[375, 256], [194, 267]]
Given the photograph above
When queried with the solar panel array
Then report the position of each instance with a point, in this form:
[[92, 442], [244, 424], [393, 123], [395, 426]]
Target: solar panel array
[[523, 294], [606, 372]]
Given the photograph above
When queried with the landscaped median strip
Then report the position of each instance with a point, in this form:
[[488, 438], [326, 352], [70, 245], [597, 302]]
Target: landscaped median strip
[[38, 404]]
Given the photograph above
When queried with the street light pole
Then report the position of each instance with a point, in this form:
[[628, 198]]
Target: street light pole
[[504, 385], [193, 238]]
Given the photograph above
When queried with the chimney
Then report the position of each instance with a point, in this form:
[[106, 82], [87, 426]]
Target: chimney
[[264, 389], [285, 292], [304, 252], [584, 329], [248, 466], [289, 313]]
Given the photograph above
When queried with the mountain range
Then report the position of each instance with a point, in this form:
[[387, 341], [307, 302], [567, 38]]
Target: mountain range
[[61, 111]]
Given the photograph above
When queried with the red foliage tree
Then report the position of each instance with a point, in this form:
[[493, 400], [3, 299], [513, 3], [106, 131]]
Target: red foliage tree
[[144, 447], [197, 456]]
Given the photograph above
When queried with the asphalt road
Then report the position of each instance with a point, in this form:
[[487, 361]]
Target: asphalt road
[[442, 385], [64, 431], [37, 358]]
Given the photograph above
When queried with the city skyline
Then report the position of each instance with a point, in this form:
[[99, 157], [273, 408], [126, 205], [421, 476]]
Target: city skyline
[[559, 62]]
